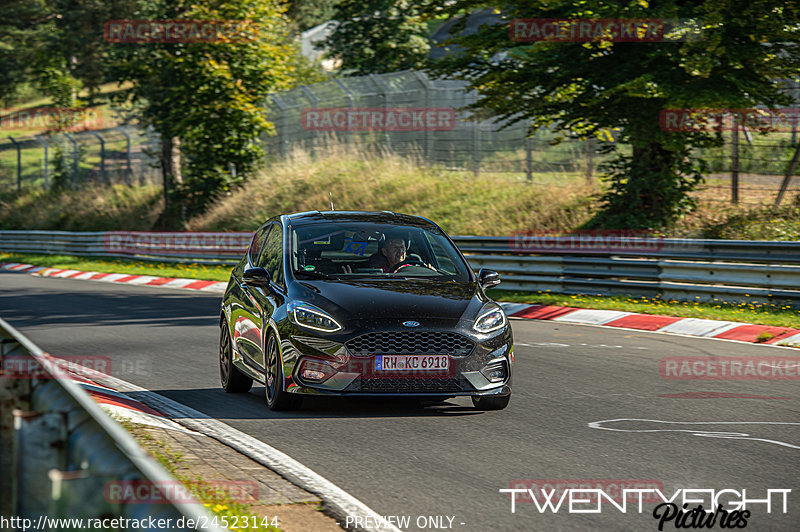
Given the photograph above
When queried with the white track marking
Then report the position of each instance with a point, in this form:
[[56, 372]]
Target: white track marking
[[596, 317], [702, 433]]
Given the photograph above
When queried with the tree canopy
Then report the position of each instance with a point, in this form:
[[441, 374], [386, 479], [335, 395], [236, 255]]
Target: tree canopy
[[742, 52]]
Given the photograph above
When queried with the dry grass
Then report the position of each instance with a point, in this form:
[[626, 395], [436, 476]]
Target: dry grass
[[459, 202], [90, 208]]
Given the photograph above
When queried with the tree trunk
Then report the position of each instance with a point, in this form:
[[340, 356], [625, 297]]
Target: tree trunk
[[171, 168]]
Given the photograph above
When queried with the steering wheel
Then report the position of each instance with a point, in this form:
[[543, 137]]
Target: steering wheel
[[409, 262]]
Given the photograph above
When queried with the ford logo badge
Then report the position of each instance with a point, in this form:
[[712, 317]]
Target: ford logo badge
[[411, 323]]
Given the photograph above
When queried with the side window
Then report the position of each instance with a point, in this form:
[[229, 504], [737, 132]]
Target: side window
[[257, 244], [272, 255], [442, 258]]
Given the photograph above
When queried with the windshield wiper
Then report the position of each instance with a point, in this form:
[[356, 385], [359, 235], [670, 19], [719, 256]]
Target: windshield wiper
[[313, 273]]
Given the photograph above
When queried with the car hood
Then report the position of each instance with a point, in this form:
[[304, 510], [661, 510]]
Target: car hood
[[381, 299]]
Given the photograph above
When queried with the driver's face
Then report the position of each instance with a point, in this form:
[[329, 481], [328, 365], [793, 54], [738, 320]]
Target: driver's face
[[394, 251]]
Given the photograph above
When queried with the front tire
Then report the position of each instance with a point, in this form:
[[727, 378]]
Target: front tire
[[491, 403], [232, 380], [277, 398]]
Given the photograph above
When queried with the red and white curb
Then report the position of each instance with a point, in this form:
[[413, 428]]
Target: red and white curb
[[143, 280], [726, 330]]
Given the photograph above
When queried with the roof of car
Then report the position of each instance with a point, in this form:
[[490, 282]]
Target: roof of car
[[358, 216]]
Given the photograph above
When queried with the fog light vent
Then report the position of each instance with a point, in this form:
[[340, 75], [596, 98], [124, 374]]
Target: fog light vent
[[315, 370], [495, 372]]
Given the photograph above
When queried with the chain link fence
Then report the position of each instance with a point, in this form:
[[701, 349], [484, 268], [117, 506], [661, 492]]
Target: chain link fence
[[751, 159], [479, 146], [119, 155]]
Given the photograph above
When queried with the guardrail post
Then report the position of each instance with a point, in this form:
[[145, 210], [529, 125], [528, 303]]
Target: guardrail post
[[19, 162], [41, 439], [44, 144], [102, 156]]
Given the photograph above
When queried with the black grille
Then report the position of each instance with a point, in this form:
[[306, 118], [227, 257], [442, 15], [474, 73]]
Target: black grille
[[410, 385], [410, 342]]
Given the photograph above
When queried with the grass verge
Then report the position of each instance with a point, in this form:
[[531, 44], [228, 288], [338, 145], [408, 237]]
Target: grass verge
[[130, 267], [217, 501], [755, 312]]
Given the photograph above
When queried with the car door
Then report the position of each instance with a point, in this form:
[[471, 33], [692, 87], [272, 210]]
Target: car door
[[248, 316], [264, 300]]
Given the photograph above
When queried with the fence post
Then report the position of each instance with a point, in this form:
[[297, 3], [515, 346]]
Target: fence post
[[428, 134], [589, 159], [102, 156], [314, 103], [386, 103], [19, 162], [735, 163], [128, 167], [528, 156], [282, 133], [44, 144], [349, 95], [476, 148], [788, 177], [74, 159]]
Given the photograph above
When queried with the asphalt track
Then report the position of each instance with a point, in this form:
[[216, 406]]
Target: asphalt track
[[452, 460]]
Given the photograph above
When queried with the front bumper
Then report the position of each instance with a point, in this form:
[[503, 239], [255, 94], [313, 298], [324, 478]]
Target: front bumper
[[356, 376]]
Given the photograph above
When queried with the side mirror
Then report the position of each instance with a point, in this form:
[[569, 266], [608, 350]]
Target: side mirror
[[488, 278], [256, 277]]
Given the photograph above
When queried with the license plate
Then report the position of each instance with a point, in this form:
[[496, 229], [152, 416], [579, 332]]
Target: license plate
[[412, 362]]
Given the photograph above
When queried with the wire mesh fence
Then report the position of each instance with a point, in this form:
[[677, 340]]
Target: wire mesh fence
[[315, 116], [406, 113], [119, 155]]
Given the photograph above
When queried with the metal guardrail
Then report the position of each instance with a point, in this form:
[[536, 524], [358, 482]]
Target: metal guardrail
[[680, 269], [67, 450], [602, 264]]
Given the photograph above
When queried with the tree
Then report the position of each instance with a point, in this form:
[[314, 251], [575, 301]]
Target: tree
[[309, 13], [205, 99], [580, 88], [377, 36], [25, 26]]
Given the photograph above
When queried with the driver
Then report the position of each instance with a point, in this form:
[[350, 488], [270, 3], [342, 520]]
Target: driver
[[392, 253]]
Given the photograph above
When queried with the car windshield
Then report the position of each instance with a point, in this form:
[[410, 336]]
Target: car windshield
[[345, 250]]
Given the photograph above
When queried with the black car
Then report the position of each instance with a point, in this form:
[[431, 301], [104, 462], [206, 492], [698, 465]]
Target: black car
[[346, 303]]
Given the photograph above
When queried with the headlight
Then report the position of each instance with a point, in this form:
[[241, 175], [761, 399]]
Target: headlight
[[310, 317], [490, 318]]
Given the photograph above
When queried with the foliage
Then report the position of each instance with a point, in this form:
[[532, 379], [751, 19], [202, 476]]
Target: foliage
[[744, 49], [209, 94], [377, 36], [25, 26], [309, 13]]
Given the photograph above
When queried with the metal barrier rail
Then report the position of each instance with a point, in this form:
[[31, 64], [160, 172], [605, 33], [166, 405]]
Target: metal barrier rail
[[680, 269], [602, 264], [67, 450]]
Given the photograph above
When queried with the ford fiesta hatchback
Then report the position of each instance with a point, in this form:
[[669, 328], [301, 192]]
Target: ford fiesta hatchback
[[362, 304]]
